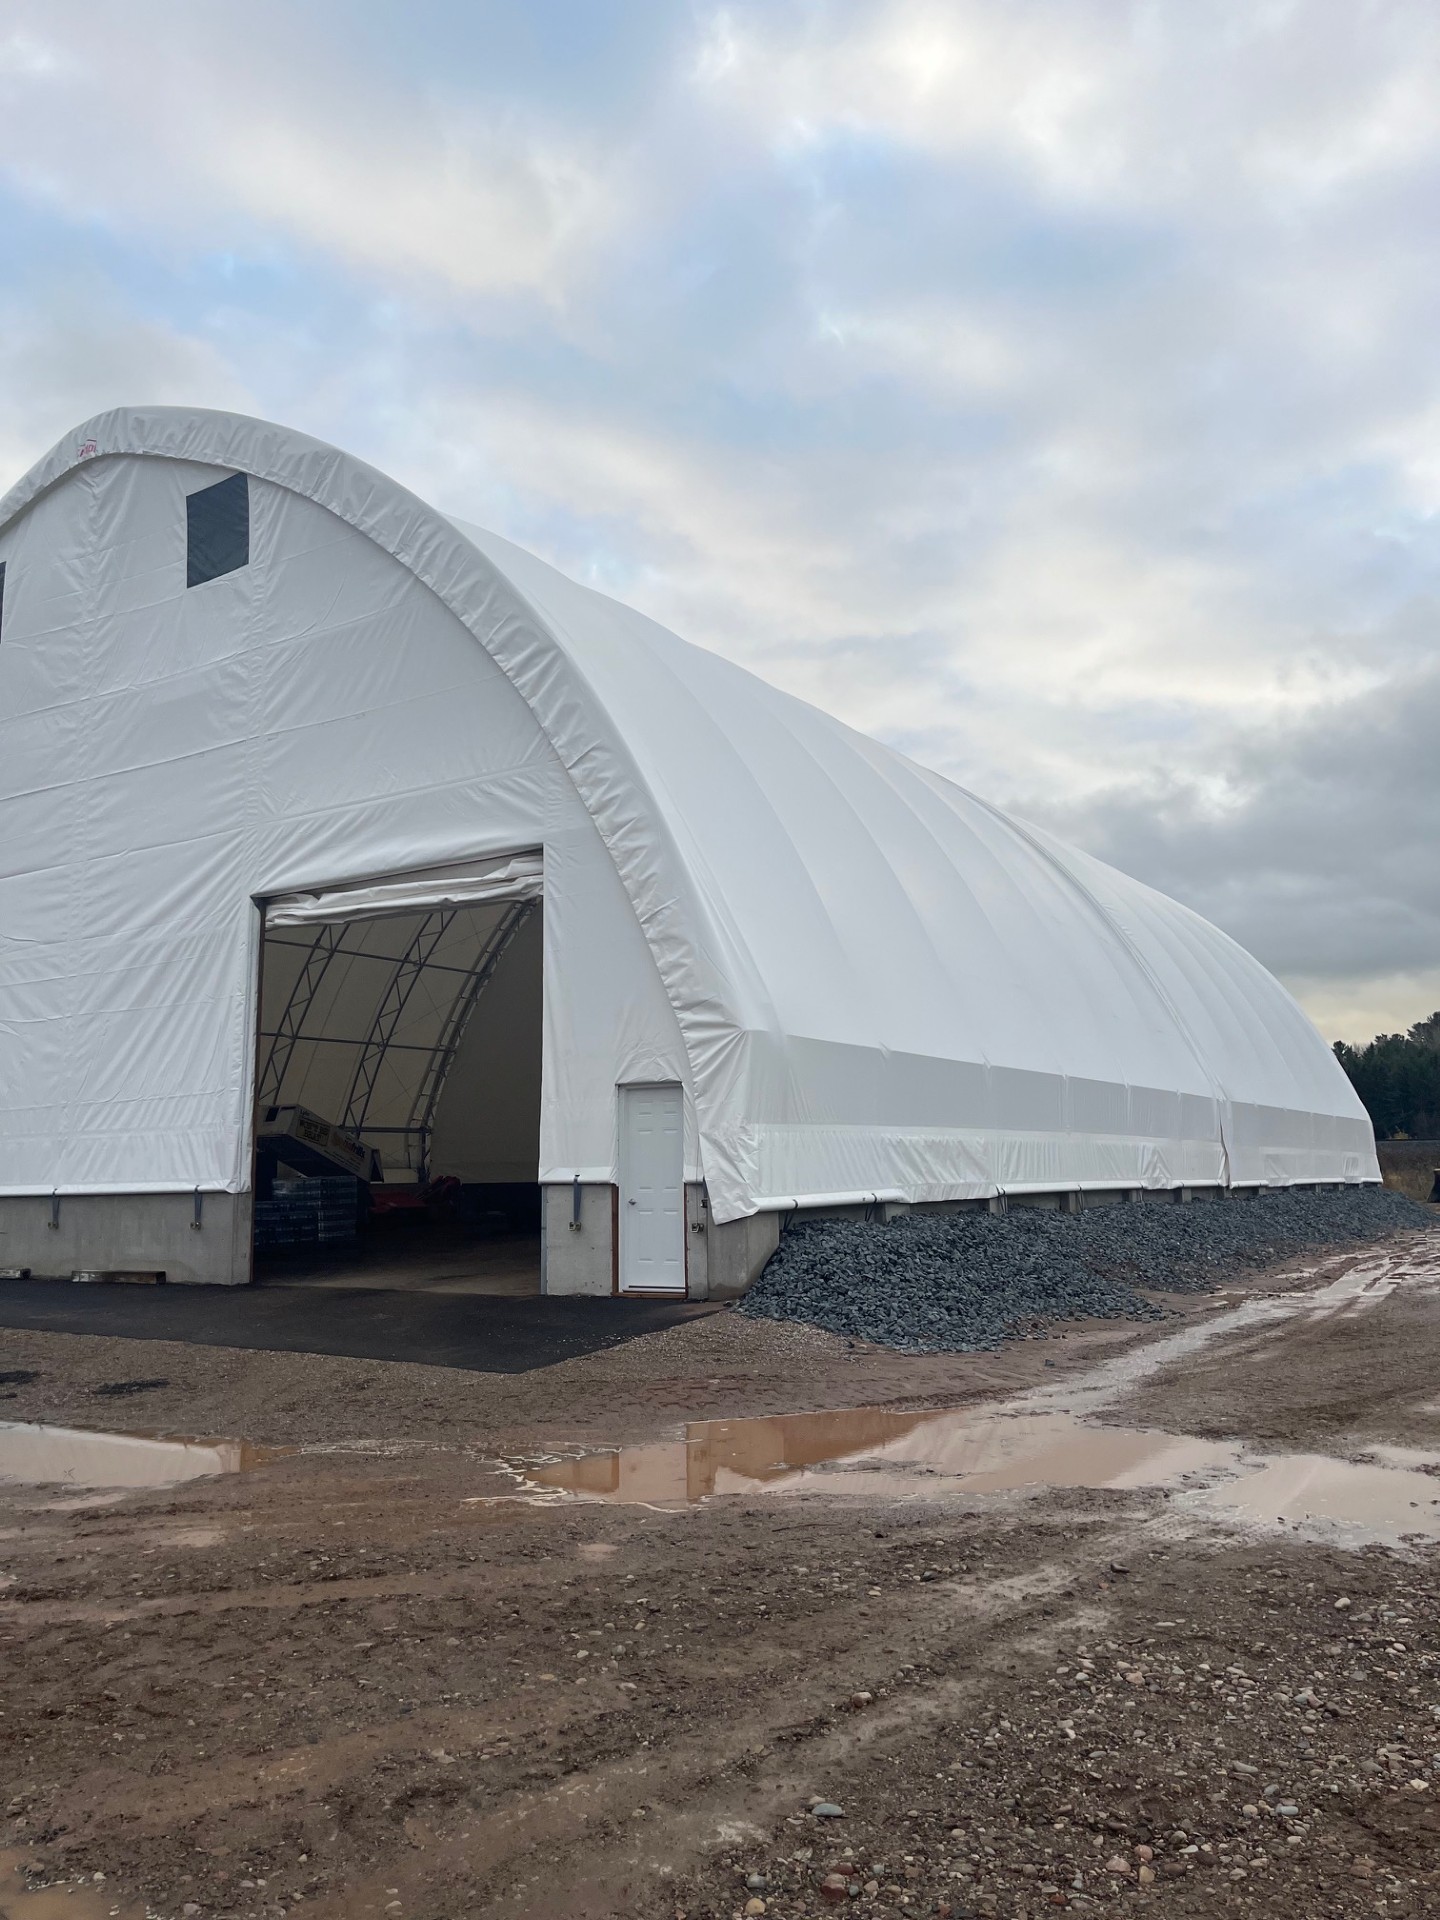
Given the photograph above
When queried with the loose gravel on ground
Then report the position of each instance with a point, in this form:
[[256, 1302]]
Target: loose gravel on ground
[[968, 1282], [1267, 1753]]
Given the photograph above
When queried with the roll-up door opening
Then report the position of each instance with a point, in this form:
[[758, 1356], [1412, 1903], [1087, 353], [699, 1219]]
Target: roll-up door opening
[[397, 1119]]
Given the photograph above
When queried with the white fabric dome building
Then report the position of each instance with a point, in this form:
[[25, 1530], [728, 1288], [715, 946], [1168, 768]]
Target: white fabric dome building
[[538, 893]]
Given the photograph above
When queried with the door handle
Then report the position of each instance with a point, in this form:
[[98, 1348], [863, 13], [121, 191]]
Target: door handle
[[629, 1203]]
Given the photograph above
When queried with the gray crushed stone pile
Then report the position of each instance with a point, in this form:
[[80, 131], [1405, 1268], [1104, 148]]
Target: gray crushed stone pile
[[968, 1282]]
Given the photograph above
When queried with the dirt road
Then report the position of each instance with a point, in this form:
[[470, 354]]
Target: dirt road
[[397, 1672]]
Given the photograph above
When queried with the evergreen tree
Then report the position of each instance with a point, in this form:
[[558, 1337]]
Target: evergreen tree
[[1397, 1075]]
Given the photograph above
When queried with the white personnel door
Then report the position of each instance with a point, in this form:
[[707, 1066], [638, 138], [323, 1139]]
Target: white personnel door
[[652, 1190]]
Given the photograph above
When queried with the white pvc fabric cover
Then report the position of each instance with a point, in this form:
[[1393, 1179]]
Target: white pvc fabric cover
[[509, 877], [866, 979]]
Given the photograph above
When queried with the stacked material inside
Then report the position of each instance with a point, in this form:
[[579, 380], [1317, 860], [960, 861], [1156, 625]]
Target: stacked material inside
[[319, 1212]]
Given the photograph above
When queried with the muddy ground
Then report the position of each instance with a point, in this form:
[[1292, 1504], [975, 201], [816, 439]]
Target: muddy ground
[[1338, 1383], [353, 1681], [716, 1365]]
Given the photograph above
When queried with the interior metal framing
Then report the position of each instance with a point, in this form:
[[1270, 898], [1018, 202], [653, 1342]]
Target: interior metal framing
[[407, 968]]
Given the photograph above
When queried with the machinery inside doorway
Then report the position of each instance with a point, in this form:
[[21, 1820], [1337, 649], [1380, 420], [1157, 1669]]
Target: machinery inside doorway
[[398, 1088]]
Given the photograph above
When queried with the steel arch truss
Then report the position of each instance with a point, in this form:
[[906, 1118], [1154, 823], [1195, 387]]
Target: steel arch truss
[[437, 1067], [391, 1011], [302, 995], [388, 1021]]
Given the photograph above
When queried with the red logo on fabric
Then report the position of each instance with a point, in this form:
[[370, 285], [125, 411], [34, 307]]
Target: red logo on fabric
[[87, 450]]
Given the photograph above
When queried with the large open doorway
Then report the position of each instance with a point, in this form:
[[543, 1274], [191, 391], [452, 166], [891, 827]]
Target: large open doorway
[[397, 1120]]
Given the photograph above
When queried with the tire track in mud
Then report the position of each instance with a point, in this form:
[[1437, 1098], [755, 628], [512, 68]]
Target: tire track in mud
[[362, 1715], [570, 1847], [535, 1756]]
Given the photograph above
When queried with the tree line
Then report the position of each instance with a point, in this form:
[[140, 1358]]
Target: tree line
[[1397, 1075]]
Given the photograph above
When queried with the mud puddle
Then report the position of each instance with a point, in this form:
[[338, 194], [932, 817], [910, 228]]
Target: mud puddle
[[1341, 1500], [75, 1457], [883, 1453], [1045, 1438], [871, 1454]]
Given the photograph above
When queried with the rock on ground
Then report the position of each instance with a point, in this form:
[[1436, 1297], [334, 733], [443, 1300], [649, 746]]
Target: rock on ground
[[967, 1282]]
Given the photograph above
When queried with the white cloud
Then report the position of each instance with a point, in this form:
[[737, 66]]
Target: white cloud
[[1049, 387], [469, 209], [1130, 104], [929, 72], [235, 121], [87, 352]]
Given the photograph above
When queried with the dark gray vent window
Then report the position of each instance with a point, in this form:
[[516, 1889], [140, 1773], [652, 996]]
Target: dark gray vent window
[[217, 530], [2, 599]]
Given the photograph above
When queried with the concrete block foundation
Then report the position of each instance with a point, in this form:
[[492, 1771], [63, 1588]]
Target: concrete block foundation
[[577, 1257], [721, 1262], [153, 1235], [737, 1252], [149, 1235]]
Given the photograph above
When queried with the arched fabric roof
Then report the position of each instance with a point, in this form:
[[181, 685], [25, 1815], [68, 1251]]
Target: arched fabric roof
[[882, 983]]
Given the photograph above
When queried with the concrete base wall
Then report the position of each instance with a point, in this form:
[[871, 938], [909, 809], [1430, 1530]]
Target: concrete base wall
[[697, 1241], [583, 1260], [125, 1233], [737, 1253], [153, 1233], [577, 1260]]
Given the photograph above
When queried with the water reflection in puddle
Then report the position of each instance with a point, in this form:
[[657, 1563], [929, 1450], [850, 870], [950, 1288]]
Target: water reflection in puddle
[[874, 1453], [73, 1457], [1315, 1493]]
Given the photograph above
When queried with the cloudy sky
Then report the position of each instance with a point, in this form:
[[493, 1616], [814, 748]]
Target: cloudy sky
[[1051, 387]]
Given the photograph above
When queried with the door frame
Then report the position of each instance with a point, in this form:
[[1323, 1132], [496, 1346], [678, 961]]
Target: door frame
[[624, 1090], [436, 872]]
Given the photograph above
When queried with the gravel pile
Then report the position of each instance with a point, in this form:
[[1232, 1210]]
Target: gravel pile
[[967, 1282]]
